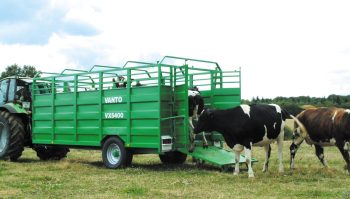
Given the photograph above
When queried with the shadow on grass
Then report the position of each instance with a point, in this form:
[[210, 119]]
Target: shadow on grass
[[27, 160], [160, 167]]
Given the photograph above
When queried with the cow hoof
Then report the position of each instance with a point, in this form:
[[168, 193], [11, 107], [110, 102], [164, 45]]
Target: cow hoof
[[205, 146], [251, 175], [264, 170], [191, 149], [235, 173]]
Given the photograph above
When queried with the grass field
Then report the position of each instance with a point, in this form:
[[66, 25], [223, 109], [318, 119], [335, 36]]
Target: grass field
[[82, 175]]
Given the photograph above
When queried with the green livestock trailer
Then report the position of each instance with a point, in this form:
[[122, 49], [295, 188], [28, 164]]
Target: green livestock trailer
[[140, 108]]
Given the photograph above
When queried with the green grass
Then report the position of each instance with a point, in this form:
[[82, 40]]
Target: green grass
[[82, 175]]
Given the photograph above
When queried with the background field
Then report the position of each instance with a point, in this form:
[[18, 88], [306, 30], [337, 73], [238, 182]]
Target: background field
[[82, 175]]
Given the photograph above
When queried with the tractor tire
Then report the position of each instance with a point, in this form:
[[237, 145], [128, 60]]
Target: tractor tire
[[114, 154], [12, 134], [51, 152], [173, 157]]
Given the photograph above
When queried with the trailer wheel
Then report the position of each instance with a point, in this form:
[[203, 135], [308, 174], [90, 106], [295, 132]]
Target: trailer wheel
[[114, 154], [173, 157], [11, 136], [51, 152]]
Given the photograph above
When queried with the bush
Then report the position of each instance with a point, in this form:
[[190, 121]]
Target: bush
[[288, 133]]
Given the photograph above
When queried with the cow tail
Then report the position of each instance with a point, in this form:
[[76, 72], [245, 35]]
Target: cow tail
[[285, 114], [304, 132]]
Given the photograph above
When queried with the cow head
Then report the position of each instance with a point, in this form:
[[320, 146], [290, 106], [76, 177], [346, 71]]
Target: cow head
[[205, 121]]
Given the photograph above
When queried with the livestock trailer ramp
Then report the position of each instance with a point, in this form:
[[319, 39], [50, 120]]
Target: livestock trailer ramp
[[140, 108]]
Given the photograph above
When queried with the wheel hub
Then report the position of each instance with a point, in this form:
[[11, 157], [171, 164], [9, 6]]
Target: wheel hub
[[113, 154]]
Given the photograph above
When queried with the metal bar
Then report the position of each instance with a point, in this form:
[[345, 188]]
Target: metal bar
[[189, 59], [186, 122], [75, 108], [128, 138], [160, 83], [74, 70], [100, 104], [137, 62], [173, 117], [53, 93]]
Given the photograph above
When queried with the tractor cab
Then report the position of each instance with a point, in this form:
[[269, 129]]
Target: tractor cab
[[15, 94]]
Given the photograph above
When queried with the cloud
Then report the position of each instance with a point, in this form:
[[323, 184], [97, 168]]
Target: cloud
[[25, 22], [284, 49]]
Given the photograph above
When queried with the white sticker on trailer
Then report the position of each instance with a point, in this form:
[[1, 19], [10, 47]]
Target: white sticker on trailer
[[113, 100], [117, 115]]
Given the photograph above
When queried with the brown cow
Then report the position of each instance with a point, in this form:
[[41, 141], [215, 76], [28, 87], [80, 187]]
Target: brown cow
[[323, 127]]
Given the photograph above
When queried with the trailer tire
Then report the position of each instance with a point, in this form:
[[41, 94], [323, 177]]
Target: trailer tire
[[12, 134], [173, 157], [114, 154], [51, 152]]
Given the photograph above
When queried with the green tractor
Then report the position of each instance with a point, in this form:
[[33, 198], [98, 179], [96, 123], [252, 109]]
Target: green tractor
[[15, 121]]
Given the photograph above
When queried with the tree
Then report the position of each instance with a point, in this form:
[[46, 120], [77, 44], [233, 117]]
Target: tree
[[15, 70]]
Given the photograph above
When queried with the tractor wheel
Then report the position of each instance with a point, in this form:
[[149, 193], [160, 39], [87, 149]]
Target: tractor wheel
[[51, 152], [11, 136], [173, 157], [114, 154]]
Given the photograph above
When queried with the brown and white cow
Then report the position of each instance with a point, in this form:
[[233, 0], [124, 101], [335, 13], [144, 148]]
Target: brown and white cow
[[323, 127]]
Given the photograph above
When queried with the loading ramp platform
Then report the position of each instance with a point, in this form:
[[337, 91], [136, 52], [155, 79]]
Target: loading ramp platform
[[214, 155]]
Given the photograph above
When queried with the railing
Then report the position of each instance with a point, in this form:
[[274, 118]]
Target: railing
[[143, 74]]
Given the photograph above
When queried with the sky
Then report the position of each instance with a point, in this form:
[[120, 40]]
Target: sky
[[284, 48]]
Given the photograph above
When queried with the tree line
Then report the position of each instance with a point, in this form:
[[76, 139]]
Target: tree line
[[295, 105], [21, 71]]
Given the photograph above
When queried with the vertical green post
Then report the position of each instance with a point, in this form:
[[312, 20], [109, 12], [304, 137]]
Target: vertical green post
[[221, 79], [160, 83], [240, 88], [53, 92], [100, 102], [191, 81], [212, 88], [186, 122], [75, 107], [128, 114]]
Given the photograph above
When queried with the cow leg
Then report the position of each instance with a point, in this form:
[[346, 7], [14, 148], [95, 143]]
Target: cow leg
[[237, 150], [248, 158], [267, 157], [293, 151], [320, 155], [191, 134], [345, 154], [205, 142], [280, 151]]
